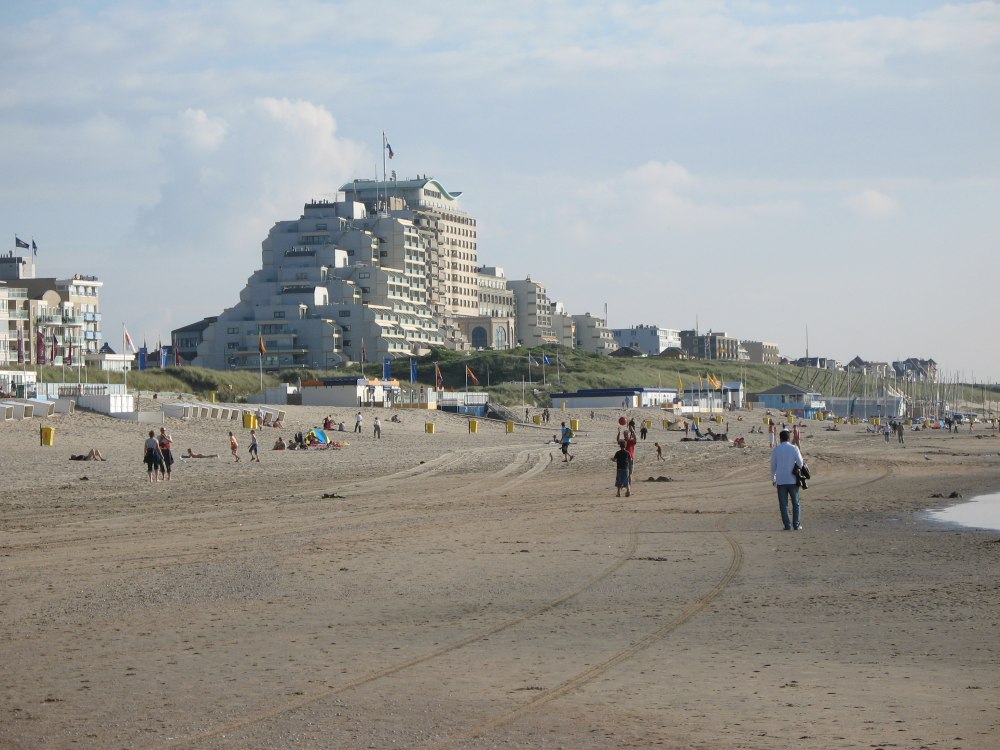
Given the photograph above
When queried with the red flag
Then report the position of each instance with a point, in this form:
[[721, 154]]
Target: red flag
[[20, 346], [40, 347], [438, 378], [55, 343], [69, 353]]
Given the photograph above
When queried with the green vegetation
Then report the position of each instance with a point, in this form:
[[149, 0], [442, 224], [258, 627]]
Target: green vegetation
[[501, 374]]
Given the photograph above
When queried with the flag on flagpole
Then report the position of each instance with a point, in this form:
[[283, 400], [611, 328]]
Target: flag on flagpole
[[438, 378], [55, 343], [387, 368], [69, 352], [680, 384], [532, 361], [129, 344], [18, 242], [364, 352], [40, 348], [388, 148], [472, 375], [546, 360], [260, 345], [34, 248], [413, 370], [20, 346]]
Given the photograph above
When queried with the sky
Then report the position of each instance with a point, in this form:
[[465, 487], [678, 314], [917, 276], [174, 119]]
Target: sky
[[781, 171]]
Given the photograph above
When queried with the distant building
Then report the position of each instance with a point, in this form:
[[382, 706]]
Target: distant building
[[880, 369], [915, 369], [712, 345], [821, 363], [533, 313], [448, 235], [763, 352], [618, 398], [650, 339], [335, 285], [64, 313], [593, 335], [790, 397], [563, 326]]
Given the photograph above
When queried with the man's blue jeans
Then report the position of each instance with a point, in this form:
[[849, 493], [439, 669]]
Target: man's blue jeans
[[784, 492]]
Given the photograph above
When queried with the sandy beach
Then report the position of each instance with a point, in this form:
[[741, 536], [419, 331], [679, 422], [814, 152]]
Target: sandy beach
[[456, 590]]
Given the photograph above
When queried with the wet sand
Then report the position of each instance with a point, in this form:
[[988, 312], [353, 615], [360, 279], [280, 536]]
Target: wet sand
[[472, 591]]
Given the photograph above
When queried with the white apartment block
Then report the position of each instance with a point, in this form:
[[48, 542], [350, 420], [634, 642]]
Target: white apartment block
[[651, 340], [593, 335], [563, 326], [533, 312], [495, 326], [449, 235], [66, 312], [336, 284]]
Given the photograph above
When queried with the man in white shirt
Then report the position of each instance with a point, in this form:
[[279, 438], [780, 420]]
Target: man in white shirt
[[784, 458]]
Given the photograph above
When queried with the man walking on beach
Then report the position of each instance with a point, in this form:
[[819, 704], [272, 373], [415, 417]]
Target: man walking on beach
[[254, 449], [357, 422], [378, 428], [784, 458]]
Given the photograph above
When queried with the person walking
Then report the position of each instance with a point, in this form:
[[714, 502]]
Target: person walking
[[784, 458], [378, 429], [166, 450], [254, 448], [565, 439], [623, 474], [772, 431], [234, 447], [358, 419], [152, 457]]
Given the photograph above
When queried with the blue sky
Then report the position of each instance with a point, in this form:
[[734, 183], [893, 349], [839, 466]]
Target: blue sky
[[759, 167]]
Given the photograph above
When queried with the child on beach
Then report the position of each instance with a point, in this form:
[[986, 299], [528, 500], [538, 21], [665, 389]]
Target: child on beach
[[234, 447], [623, 463], [659, 452]]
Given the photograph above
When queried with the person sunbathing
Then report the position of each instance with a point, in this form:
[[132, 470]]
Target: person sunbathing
[[279, 444], [191, 454], [94, 455]]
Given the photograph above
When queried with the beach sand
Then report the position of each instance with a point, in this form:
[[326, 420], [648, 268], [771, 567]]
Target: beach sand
[[472, 591]]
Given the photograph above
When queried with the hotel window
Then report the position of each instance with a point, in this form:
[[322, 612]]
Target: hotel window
[[232, 330], [344, 313], [279, 313]]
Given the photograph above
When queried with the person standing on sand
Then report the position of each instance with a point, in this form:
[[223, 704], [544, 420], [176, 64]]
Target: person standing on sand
[[166, 450], [152, 457], [254, 448], [772, 431], [784, 458], [378, 429], [623, 474], [358, 419], [796, 435], [629, 439], [565, 439], [234, 447]]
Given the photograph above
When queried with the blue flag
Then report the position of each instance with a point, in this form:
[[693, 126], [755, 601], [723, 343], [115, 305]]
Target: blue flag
[[387, 368], [546, 360], [143, 353], [413, 370]]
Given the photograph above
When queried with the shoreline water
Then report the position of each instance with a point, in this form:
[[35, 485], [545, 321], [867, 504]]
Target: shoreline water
[[980, 512]]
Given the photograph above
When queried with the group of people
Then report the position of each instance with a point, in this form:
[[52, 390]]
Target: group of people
[[157, 455]]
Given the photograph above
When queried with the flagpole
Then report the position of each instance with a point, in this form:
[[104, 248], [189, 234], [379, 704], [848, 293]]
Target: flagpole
[[124, 368]]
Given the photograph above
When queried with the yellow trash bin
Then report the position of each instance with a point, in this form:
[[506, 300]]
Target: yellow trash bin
[[666, 424], [429, 428], [249, 420], [48, 436], [574, 424], [473, 425], [718, 419], [647, 423], [510, 425], [537, 419]]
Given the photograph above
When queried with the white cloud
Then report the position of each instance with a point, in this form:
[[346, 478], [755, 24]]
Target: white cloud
[[202, 132], [872, 204]]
